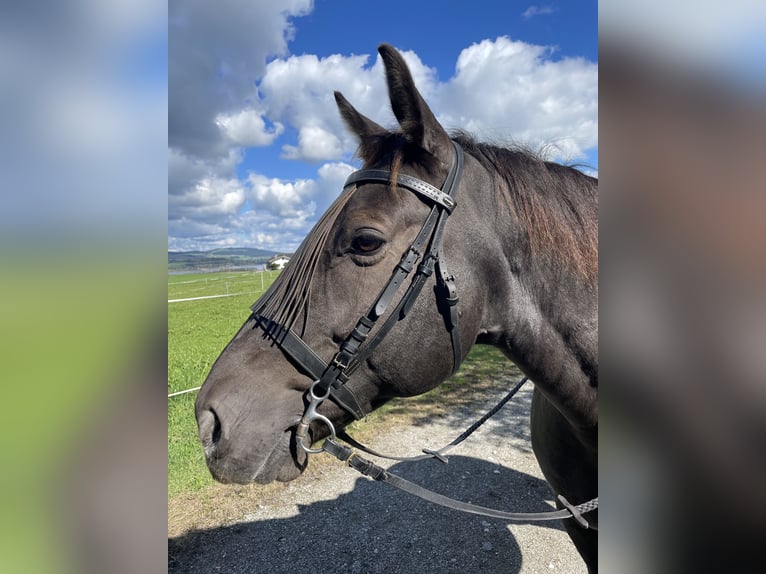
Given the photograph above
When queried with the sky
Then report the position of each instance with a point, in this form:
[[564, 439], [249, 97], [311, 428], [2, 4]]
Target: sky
[[256, 147]]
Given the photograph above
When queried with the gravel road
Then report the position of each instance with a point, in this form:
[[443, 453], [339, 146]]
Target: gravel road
[[333, 520]]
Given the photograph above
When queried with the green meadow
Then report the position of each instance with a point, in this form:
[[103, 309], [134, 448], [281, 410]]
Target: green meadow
[[199, 329]]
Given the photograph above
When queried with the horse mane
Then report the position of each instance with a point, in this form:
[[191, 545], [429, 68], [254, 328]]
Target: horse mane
[[556, 204]]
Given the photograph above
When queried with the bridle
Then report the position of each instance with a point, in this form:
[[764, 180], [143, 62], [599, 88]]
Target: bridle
[[331, 379]]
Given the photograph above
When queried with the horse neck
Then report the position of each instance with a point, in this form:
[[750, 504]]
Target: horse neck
[[544, 315]]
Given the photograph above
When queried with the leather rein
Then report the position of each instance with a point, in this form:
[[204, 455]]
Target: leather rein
[[330, 379]]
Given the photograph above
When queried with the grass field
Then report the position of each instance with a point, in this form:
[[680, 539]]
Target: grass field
[[197, 332]]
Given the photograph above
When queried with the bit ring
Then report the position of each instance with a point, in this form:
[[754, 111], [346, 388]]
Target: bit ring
[[310, 416]]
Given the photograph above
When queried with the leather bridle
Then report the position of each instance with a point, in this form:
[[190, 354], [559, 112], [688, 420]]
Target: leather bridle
[[331, 379]]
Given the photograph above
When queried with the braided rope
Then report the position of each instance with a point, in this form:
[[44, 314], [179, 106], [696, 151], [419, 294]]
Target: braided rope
[[588, 506]]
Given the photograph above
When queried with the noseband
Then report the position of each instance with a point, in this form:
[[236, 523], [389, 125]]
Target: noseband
[[330, 379]]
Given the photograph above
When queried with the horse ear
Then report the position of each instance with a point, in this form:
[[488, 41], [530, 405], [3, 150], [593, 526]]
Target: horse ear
[[362, 126], [418, 122]]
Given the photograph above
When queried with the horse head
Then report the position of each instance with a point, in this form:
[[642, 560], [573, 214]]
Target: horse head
[[367, 309], [257, 391]]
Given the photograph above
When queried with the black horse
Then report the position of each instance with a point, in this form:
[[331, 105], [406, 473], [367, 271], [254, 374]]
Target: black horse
[[520, 248]]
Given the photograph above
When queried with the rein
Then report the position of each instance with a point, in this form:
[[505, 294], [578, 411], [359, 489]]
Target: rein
[[330, 379], [380, 474]]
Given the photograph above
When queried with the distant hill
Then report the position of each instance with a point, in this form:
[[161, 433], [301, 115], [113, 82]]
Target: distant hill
[[218, 258]]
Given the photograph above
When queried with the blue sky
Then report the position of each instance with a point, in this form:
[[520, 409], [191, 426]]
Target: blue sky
[[256, 148]]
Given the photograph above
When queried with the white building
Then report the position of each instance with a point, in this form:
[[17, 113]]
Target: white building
[[278, 262]]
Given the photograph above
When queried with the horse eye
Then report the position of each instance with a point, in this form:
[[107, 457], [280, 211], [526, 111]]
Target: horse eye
[[366, 244]]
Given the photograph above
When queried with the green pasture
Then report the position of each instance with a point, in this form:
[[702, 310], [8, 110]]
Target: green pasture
[[199, 329]]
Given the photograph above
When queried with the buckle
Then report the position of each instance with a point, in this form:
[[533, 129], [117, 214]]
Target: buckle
[[338, 364]]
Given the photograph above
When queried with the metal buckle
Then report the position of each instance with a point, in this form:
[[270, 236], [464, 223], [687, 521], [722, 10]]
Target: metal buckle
[[335, 363]]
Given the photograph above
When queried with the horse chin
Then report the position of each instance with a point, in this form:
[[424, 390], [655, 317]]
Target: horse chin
[[285, 473], [283, 464]]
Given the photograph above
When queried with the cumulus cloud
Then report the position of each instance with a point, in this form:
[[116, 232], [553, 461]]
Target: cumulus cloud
[[332, 176], [299, 91], [233, 87], [501, 89], [300, 199], [209, 199], [184, 234], [185, 171], [216, 53], [507, 89], [314, 144], [280, 211], [283, 198], [247, 128]]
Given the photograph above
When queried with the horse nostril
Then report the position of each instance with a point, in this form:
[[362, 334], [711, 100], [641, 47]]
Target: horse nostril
[[209, 428], [216, 428]]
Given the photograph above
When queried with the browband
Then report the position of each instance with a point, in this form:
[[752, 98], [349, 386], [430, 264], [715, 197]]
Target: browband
[[403, 180]]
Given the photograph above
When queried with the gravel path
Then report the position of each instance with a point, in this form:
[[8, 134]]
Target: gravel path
[[332, 520]]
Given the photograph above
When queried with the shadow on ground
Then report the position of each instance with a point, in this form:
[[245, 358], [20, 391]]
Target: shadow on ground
[[376, 529]]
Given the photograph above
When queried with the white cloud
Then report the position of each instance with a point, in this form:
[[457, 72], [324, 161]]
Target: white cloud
[[332, 176], [533, 11], [284, 198], [314, 144], [183, 234], [212, 213], [504, 89], [210, 200], [302, 198], [216, 52], [247, 128], [501, 89], [224, 97], [299, 91], [184, 171]]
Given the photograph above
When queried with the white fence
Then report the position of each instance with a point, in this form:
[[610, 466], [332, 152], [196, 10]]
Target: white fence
[[223, 280]]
